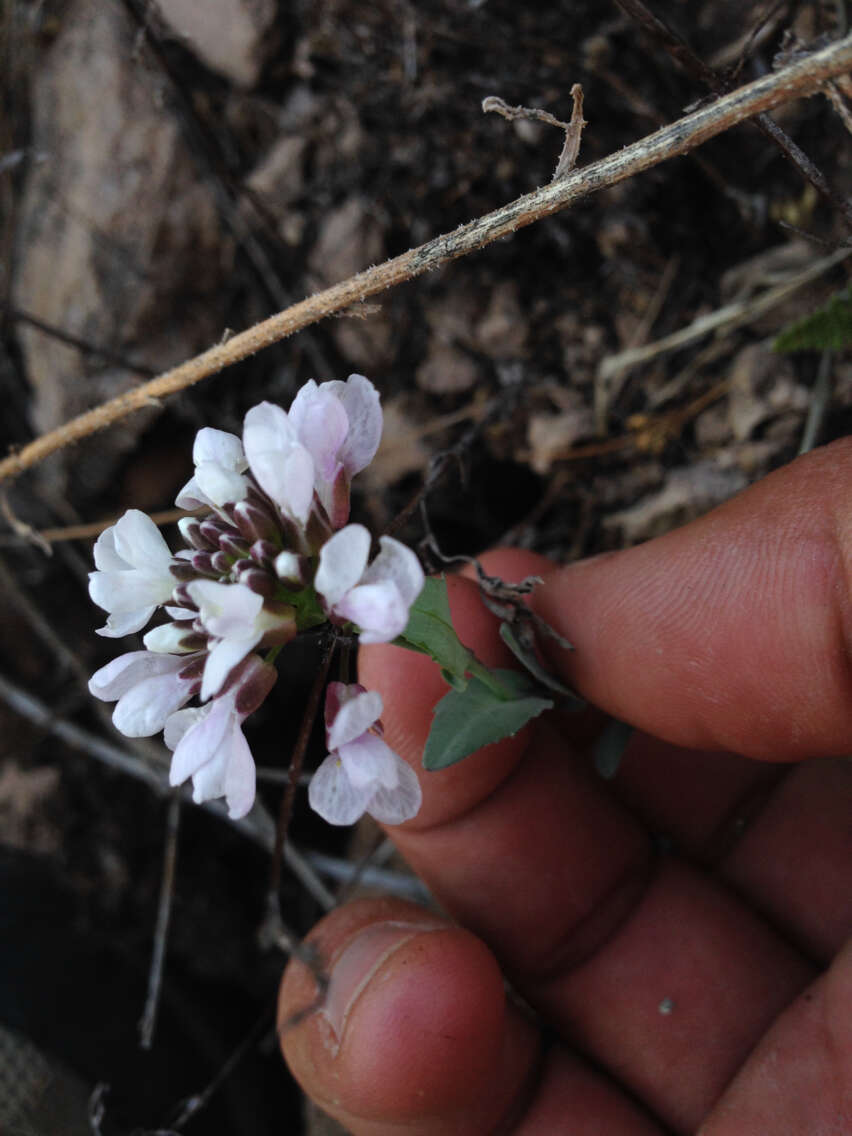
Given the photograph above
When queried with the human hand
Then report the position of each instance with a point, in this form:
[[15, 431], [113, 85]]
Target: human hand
[[702, 987]]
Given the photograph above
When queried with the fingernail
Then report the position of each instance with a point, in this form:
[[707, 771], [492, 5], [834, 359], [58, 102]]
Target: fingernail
[[359, 961]]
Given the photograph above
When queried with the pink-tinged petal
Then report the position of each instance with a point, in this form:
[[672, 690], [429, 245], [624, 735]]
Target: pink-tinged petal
[[377, 610], [178, 723], [240, 776], [191, 497], [361, 402], [106, 558], [143, 711], [337, 694], [222, 660], [301, 404], [200, 741], [353, 718], [334, 497], [369, 761], [219, 484], [226, 610], [333, 796], [125, 623], [140, 542], [342, 561], [220, 447], [393, 806], [322, 430], [398, 563]]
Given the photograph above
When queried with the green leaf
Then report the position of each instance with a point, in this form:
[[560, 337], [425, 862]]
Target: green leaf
[[529, 660], [466, 720], [430, 630], [828, 328]]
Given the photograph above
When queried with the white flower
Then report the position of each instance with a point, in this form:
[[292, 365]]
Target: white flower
[[235, 616], [209, 745], [330, 433], [375, 598], [219, 465], [340, 424], [133, 576], [283, 467], [149, 688], [361, 773]]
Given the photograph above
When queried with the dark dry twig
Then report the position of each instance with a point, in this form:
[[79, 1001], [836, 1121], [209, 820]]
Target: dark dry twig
[[194, 1104], [161, 928], [680, 50], [296, 759], [85, 346]]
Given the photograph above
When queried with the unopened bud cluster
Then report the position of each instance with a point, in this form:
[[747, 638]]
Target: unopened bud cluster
[[273, 557]]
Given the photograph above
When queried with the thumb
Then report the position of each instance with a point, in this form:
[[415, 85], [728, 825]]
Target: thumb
[[733, 632]]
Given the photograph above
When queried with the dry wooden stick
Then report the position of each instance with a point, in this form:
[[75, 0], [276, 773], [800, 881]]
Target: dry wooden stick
[[800, 78]]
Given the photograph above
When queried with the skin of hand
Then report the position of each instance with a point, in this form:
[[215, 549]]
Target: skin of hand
[[696, 984]]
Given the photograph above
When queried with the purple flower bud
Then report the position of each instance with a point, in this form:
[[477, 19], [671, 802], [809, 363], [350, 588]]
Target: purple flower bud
[[263, 551], [256, 522], [212, 529], [221, 563], [233, 545], [182, 597], [191, 532], [258, 580], [183, 570], [202, 563]]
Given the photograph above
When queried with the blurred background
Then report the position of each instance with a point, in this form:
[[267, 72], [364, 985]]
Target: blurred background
[[174, 171]]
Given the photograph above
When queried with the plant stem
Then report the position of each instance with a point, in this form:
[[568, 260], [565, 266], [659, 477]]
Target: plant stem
[[802, 77]]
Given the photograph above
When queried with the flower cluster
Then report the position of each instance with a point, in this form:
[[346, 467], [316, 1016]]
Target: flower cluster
[[274, 556]]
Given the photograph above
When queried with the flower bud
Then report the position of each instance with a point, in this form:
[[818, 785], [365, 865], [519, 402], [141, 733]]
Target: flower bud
[[258, 580], [183, 570], [171, 639], [233, 545], [291, 569], [202, 563], [190, 530], [263, 551]]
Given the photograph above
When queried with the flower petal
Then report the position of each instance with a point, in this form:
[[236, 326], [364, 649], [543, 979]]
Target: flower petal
[[222, 660], [361, 402], [130, 590], [126, 670], [342, 561], [353, 718], [228, 611], [220, 484], [167, 639], [333, 796], [106, 557], [143, 711], [393, 806], [178, 723], [322, 427], [191, 497], [219, 446], [399, 563], [240, 776], [140, 542], [369, 761], [125, 623], [377, 609], [200, 741]]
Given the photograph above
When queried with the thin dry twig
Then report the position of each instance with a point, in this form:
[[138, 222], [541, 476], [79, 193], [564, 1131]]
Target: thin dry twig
[[729, 316], [573, 129], [161, 928], [802, 77]]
